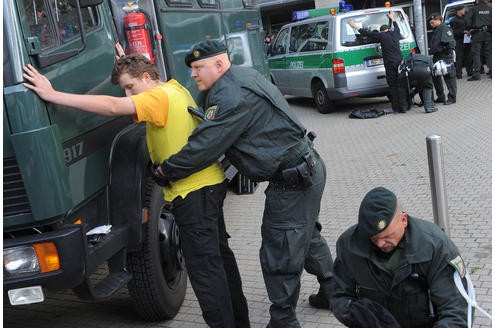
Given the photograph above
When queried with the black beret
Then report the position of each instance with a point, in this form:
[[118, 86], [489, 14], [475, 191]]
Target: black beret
[[434, 16], [458, 8], [376, 211], [204, 50]]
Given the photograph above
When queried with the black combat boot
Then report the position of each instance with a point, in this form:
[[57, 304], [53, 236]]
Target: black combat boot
[[322, 299]]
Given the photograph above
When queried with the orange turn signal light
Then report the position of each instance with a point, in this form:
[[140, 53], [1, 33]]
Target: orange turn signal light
[[387, 4], [47, 256]]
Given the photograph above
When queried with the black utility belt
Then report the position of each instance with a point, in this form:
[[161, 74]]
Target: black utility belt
[[486, 28], [300, 174]]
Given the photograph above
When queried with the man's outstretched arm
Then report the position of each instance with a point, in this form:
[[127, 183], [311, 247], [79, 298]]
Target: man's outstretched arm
[[98, 104]]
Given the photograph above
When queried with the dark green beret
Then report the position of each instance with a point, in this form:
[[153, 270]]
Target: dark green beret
[[434, 16], [204, 50], [376, 211]]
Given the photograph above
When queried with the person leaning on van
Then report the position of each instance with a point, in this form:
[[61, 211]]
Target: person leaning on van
[[442, 48], [392, 55]]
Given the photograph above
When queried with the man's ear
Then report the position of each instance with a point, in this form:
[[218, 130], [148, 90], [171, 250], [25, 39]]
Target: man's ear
[[146, 76]]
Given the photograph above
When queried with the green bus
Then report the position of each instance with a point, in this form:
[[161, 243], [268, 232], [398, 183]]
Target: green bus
[[67, 172]]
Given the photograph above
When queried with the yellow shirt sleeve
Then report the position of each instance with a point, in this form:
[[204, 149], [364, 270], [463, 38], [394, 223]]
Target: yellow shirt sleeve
[[152, 106]]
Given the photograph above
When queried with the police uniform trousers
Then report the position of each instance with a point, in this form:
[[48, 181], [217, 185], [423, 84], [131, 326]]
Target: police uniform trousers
[[424, 87], [450, 82], [391, 73], [481, 42], [463, 57], [210, 262], [291, 241]]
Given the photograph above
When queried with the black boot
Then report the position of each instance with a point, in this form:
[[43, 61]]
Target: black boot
[[322, 299]]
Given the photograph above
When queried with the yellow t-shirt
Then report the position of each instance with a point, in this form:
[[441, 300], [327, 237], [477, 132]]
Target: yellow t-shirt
[[168, 125]]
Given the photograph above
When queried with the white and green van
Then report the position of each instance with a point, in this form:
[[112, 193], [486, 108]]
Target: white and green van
[[324, 58]]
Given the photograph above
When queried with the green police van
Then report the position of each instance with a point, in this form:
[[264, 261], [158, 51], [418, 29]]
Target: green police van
[[324, 58]]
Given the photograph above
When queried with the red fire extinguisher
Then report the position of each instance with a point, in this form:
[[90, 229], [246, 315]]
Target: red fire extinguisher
[[137, 33]]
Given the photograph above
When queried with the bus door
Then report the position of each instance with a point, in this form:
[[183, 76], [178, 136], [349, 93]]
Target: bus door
[[53, 28]]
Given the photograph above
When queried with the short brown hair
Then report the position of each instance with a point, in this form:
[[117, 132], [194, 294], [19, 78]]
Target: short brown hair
[[134, 65]]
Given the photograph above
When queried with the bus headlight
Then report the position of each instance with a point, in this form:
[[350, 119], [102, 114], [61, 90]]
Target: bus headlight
[[20, 261]]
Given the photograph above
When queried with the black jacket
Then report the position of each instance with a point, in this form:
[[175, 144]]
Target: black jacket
[[389, 42]]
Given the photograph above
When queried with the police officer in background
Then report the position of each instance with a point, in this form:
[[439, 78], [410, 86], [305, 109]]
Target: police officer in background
[[392, 55], [394, 270], [248, 119], [442, 48], [479, 22], [462, 50]]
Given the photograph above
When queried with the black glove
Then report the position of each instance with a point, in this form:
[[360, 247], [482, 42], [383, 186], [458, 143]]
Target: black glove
[[157, 174], [365, 313]]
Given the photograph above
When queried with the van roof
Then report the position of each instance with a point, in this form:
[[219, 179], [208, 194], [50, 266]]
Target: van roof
[[347, 14]]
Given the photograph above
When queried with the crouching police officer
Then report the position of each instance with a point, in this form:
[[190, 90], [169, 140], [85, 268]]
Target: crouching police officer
[[442, 48], [248, 119], [393, 270], [415, 72]]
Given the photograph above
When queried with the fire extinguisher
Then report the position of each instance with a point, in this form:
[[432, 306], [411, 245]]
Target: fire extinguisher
[[137, 31]]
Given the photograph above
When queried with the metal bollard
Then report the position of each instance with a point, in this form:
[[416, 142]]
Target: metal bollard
[[437, 182]]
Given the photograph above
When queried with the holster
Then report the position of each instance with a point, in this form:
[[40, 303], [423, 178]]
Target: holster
[[301, 174]]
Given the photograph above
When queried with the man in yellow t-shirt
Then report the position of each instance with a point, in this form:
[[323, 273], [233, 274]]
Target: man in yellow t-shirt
[[197, 199]]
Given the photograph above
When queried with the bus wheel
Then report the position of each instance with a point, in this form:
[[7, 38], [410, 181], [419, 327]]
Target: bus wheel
[[159, 276], [322, 101]]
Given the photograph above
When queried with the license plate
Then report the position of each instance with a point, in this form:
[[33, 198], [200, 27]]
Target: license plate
[[374, 62]]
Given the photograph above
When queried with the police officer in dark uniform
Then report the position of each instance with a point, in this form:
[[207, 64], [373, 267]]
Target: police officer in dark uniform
[[479, 22], [415, 76], [392, 55], [392, 264], [249, 120], [462, 50], [442, 48]]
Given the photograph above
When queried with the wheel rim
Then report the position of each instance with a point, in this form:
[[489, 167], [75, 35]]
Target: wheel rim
[[171, 257], [320, 97]]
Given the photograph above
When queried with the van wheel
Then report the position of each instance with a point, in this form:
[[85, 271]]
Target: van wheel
[[322, 101], [159, 276]]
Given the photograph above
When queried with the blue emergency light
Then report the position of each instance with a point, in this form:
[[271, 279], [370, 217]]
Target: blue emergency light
[[343, 8], [300, 14]]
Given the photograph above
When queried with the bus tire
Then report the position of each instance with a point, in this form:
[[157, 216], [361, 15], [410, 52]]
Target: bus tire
[[159, 280], [320, 96]]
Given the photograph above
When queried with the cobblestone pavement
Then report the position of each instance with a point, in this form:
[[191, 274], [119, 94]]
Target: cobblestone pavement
[[359, 154]]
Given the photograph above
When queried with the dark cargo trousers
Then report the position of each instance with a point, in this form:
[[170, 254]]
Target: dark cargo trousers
[[292, 241], [450, 82], [210, 262], [481, 42]]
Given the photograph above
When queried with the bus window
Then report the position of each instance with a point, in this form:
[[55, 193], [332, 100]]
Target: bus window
[[372, 22], [67, 22], [179, 3], [208, 3], [39, 23], [280, 45]]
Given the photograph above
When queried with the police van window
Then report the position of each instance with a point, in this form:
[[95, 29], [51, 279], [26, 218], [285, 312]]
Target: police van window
[[280, 45], [313, 38], [372, 22], [39, 22], [67, 22], [208, 4]]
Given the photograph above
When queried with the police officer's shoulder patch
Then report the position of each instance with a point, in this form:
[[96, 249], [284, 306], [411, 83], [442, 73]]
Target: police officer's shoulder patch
[[449, 33], [458, 264], [210, 112]]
